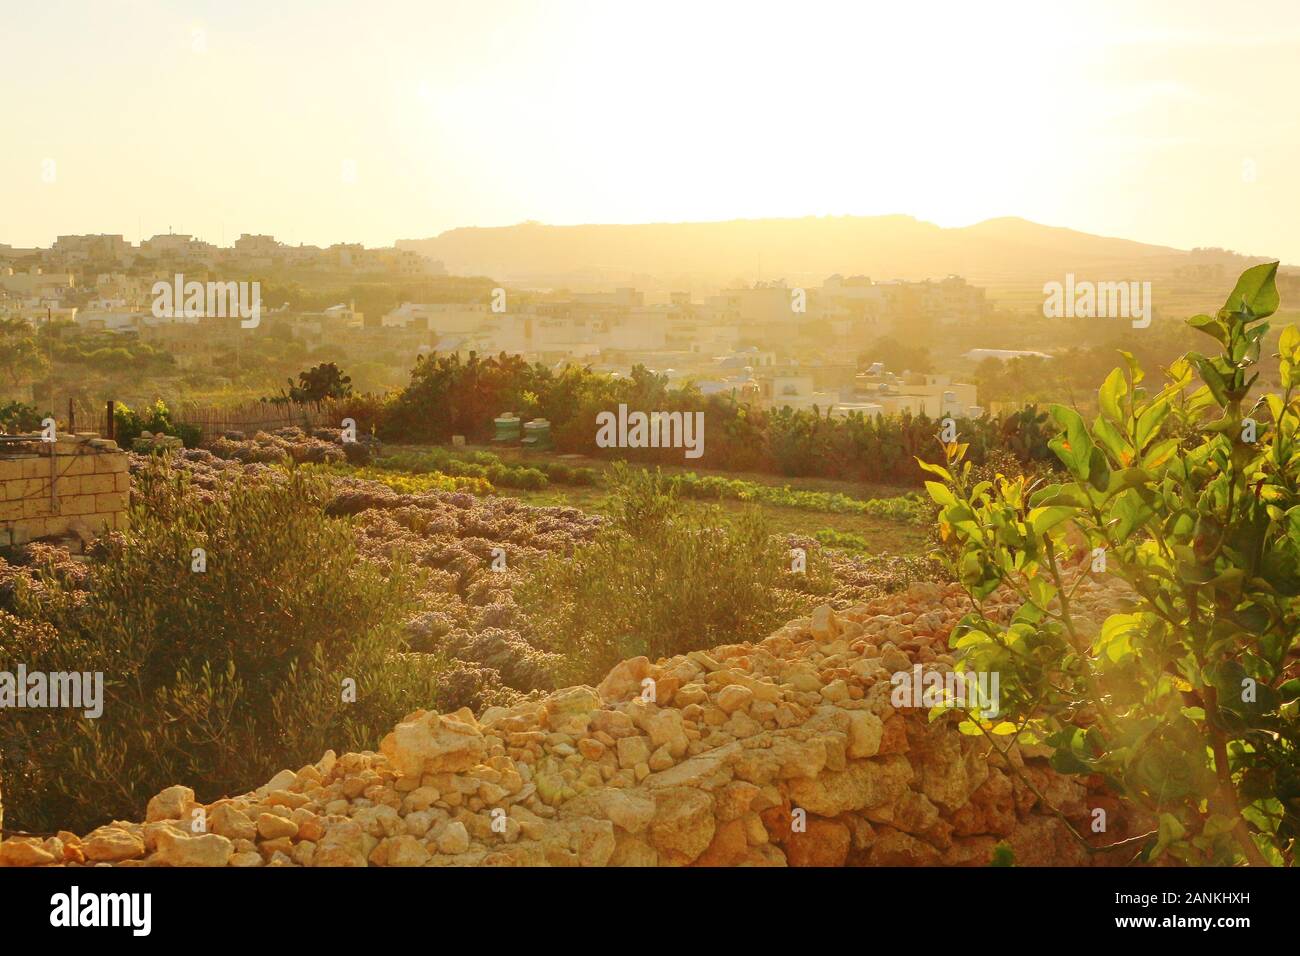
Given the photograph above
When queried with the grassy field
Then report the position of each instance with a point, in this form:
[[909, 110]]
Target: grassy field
[[882, 536]]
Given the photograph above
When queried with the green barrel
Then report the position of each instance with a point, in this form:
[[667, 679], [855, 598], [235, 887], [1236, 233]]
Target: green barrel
[[507, 427], [537, 434]]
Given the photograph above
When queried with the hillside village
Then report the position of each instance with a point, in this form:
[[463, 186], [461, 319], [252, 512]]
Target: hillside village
[[767, 342]]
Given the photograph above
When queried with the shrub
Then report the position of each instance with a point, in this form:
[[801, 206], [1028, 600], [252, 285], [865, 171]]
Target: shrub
[[1186, 701], [910, 508], [661, 580], [482, 465], [17, 418], [407, 484], [844, 540], [449, 396], [217, 679], [128, 425]]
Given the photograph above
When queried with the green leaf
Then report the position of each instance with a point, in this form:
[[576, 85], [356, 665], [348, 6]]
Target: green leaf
[[1126, 478], [1289, 341], [1043, 520], [1255, 291], [1111, 396], [935, 469], [1110, 438], [1098, 469], [1074, 448], [1210, 375], [1134, 369], [1217, 824], [1148, 423], [1117, 634], [941, 494], [1060, 495], [1211, 326], [1169, 830]]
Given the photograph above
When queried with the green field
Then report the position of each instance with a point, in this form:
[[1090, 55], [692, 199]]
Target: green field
[[881, 535]]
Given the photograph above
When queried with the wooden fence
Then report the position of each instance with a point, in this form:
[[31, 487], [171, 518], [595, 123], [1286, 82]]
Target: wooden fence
[[253, 417]]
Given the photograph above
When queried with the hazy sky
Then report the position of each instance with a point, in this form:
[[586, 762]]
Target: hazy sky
[[329, 120]]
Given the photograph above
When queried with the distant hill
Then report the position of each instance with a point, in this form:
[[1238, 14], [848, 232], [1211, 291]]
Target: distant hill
[[1006, 252]]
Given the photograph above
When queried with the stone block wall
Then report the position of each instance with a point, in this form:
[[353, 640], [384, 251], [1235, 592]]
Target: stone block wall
[[75, 488]]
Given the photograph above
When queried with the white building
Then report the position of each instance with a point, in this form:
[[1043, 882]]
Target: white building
[[443, 318]]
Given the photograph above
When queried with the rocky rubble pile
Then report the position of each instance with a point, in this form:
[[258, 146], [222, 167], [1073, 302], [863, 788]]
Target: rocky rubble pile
[[783, 752]]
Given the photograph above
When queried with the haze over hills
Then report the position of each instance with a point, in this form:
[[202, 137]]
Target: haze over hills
[[1006, 252]]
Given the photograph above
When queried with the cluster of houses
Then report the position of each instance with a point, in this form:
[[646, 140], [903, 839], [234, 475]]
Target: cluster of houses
[[105, 283], [247, 253], [768, 342]]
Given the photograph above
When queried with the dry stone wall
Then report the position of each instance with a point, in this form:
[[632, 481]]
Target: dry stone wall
[[788, 751], [74, 488]]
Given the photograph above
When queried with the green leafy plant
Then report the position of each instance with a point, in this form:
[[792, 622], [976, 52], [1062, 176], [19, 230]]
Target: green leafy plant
[[218, 678], [17, 418], [662, 580], [128, 425], [405, 483], [1185, 699], [909, 508], [316, 385], [448, 396], [482, 465]]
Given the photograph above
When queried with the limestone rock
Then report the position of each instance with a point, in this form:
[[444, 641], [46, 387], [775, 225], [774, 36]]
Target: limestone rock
[[733, 697], [232, 823], [208, 849], [174, 803], [865, 731], [111, 843], [825, 626], [823, 843], [866, 784], [683, 825], [435, 743], [272, 827], [24, 851], [623, 682], [454, 838]]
